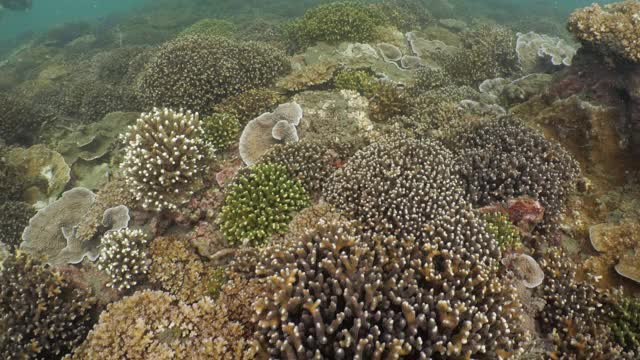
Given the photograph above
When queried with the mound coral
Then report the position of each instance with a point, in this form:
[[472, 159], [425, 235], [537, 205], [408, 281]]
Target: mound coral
[[398, 186], [503, 159], [334, 22], [489, 52], [260, 204], [612, 29], [14, 217], [250, 104], [197, 71], [41, 315], [124, 257], [339, 294], [310, 161], [221, 130], [165, 155], [154, 325]]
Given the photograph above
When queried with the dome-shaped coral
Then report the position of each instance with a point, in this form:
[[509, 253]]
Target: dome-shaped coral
[[198, 71], [165, 155]]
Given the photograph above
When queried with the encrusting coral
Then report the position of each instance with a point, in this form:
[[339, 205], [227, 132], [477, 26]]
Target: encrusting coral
[[41, 315], [124, 257], [397, 186], [336, 293], [165, 155], [165, 328], [198, 71], [261, 203], [611, 29], [503, 159]]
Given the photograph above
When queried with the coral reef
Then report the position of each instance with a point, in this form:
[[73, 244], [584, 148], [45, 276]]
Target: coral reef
[[210, 27], [42, 315], [164, 328], [334, 22], [221, 130], [269, 129], [612, 29], [405, 15], [534, 49], [19, 120], [52, 232], [124, 257], [260, 204], [310, 161], [165, 155], [361, 81], [388, 101], [337, 293], [397, 187], [179, 271], [250, 104], [198, 71], [503, 159], [625, 322], [499, 225], [14, 218], [619, 246]]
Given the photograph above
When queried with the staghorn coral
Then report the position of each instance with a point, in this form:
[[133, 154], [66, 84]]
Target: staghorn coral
[[503, 159], [41, 315], [221, 130], [576, 315], [124, 257], [179, 271], [260, 204], [14, 217], [397, 186], [164, 158], [489, 52], [388, 101], [309, 161], [198, 71], [334, 22], [250, 104], [612, 29], [163, 328], [336, 293]]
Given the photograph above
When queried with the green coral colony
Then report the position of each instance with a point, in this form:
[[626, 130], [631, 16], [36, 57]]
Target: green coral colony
[[387, 179]]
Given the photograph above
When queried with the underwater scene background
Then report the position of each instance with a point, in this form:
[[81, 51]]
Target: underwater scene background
[[271, 179]]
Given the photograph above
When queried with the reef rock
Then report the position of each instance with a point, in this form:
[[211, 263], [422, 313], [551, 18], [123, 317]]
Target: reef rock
[[269, 129], [619, 245]]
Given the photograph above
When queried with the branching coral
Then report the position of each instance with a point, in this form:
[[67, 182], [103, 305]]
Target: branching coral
[[388, 101], [338, 21], [212, 27], [164, 157], [625, 322], [19, 120], [339, 294], [310, 161], [14, 217], [198, 71], [260, 204], [406, 15], [361, 81], [503, 159], [124, 257], [154, 325], [614, 28], [41, 315], [397, 186], [221, 130], [499, 225], [250, 104], [576, 314]]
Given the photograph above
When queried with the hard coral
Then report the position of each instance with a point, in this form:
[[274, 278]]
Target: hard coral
[[211, 27], [334, 22], [250, 104], [361, 81], [198, 71], [503, 159], [500, 226], [124, 257], [397, 186], [260, 204], [612, 29], [41, 315], [339, 294], [19, 120], [154, 325], [14, 217], [388, 101], [221, 130], [164, 158]]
